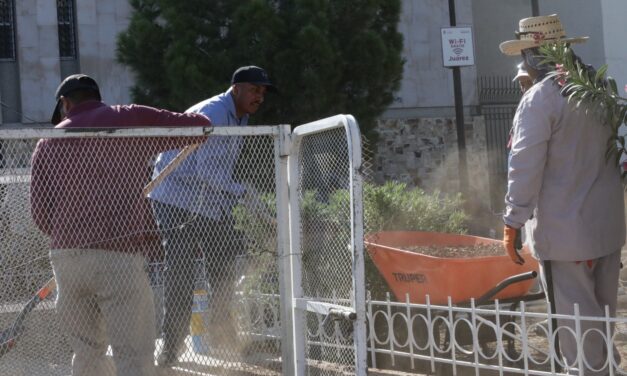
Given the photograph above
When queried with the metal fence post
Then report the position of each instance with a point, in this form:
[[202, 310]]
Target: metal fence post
[[282, 150]]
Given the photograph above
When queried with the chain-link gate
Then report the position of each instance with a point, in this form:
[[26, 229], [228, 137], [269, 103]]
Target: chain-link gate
[[80, 207], [327, 244], [206, 267]]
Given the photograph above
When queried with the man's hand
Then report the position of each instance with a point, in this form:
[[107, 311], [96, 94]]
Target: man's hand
[[513, 242]]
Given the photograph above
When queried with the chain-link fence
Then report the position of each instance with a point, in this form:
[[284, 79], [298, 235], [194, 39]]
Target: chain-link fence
[[102, 271], [186, 276]]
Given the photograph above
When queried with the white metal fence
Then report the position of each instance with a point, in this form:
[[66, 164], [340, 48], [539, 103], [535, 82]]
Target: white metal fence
[[492, 339]]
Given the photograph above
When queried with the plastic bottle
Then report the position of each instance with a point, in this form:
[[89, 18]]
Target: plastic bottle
[[198, 329]]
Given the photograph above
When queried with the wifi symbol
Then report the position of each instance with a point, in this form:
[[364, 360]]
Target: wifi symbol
[[458, 50]]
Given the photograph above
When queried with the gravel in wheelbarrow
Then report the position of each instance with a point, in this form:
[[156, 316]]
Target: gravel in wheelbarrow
[[477, 250]]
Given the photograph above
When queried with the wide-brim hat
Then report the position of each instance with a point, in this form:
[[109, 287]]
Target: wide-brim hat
[[536, 31]]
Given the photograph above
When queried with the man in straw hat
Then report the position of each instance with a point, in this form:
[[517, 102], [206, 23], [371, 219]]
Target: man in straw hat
[[568, 197]]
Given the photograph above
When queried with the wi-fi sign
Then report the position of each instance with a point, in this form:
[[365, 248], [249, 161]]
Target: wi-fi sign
[[458, 50]]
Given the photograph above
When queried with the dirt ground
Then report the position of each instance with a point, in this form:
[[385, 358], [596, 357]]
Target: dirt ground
[[539, 341]]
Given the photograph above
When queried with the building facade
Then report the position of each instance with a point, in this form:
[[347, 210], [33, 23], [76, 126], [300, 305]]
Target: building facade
[[42, 41]]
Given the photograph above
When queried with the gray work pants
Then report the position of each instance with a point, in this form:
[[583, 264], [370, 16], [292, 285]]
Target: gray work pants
[[592, 286], [186, 236]]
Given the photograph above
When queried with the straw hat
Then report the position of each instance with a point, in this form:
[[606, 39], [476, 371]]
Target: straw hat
[[534, 31]]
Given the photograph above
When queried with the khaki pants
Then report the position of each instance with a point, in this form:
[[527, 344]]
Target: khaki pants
[[104, 298]]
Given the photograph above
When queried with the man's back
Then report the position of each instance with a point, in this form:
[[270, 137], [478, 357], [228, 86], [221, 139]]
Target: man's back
[[559, 160], [86, 192]]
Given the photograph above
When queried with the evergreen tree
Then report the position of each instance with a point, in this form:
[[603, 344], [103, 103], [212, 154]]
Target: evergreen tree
[[325, 56]]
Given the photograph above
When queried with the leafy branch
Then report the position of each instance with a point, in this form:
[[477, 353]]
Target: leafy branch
[[584, 86]]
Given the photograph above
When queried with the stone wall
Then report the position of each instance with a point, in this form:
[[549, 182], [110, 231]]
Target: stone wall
[[423, 152]]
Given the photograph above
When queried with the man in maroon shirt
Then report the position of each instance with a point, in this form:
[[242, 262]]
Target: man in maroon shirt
[[86, 195]]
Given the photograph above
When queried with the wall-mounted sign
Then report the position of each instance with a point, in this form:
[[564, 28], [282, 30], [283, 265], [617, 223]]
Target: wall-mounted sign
[[457, 46]]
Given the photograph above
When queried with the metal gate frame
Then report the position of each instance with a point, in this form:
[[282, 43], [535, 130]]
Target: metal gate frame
[[298, 303]]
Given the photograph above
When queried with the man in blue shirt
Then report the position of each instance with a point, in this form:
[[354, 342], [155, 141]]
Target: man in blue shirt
[[193, 210]]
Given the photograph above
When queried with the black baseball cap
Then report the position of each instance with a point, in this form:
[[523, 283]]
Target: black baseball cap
[[70, 84], [253, 75]]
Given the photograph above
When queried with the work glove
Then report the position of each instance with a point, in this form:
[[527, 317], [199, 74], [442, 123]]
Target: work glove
[[512, 241]]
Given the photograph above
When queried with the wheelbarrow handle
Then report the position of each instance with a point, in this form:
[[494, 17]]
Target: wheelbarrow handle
[[505, 283]]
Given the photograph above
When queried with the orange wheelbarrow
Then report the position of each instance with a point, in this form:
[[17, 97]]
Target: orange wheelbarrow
[[484, 278]]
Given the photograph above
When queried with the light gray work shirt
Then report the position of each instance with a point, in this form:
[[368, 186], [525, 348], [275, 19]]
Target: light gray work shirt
[[559, 173], [204, 182]]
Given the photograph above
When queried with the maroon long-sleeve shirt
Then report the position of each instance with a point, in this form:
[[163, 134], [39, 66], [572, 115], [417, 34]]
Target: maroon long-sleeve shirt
[[87, 192]]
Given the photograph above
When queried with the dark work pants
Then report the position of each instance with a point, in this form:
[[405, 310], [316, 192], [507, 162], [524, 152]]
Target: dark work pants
[[185, 237]]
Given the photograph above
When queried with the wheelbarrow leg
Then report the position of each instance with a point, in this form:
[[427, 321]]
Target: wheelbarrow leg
[[548, 274]]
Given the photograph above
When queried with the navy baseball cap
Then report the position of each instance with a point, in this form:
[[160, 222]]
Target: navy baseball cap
[[253, 75], [71, 83]]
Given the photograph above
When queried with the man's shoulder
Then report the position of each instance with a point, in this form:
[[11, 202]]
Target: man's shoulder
[[547, 86], [217, 102], [542, 93]]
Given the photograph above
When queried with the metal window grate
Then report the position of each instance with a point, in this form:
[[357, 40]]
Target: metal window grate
[[7, 30], [499, 97], [67, 31], [498, 90]]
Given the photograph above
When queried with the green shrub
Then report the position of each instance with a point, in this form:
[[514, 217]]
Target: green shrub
[[388, 207], [394, 207], [257, 223]]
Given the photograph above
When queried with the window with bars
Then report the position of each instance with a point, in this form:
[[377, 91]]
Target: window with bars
[[67, 30], [7, 30]]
